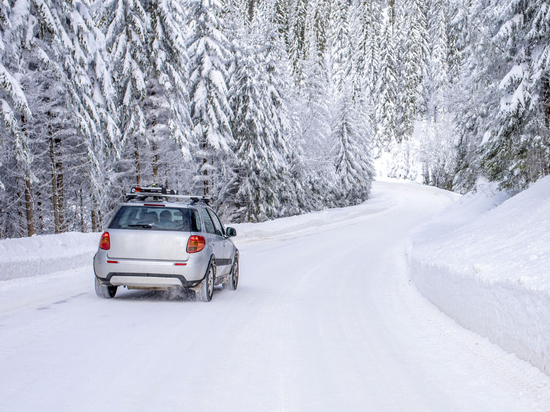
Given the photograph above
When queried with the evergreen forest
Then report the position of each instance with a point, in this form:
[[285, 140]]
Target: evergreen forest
[[271, 107]]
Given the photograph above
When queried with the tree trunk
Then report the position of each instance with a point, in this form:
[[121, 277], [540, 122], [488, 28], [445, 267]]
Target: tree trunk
[[60, 186], [2, 220], [138, 165], [22, 220], [96, 215], [206, 189], [155, 162], [95, 224], [546, 104], [40, 212], [55, 200], [29, 207], [81, 212], [27, 176], [205, 174]]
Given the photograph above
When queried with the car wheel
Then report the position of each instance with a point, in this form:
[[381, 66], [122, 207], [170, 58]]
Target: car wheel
[[204, 294], [233, 281], [106, 292]]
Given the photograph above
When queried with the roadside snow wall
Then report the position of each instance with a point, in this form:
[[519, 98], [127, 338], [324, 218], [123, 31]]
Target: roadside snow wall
[[485, 262], [40, 255]]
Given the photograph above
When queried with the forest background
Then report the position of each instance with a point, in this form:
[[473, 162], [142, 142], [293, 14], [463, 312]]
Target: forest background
[[272, 107]]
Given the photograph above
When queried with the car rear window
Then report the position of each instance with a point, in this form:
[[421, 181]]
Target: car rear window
[[151, 218]]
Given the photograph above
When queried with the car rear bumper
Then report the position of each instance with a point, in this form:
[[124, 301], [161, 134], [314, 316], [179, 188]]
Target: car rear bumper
[[147, 281], [149, 273]]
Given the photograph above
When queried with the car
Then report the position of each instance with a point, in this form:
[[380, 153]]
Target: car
[[158, 240]]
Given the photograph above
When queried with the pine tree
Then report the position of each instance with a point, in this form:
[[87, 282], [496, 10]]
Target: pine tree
[[259, 163], [386, 108], [437, 79], [402, 164], [368, 28], [315, 115], [353, 163], [73, 46], [297, 38], [15, 110], [476, 92], [516, 151], [412, 62], [167, 85], [208, 51]]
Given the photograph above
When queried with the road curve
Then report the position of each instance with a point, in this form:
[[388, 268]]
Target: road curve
[[323, 320]]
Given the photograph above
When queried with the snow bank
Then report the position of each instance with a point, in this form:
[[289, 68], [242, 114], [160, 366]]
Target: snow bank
[[485, 262], [40, 255]]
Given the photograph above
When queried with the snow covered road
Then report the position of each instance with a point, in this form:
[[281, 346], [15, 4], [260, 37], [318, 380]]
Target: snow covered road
[[325, 319]]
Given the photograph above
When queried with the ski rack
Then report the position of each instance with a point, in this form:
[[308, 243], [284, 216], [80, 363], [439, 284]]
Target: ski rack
[[157, 193]]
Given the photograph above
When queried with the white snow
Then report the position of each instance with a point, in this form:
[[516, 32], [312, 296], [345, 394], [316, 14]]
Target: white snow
[[515, 74], [485, 262], [325, 319], [40, 255]]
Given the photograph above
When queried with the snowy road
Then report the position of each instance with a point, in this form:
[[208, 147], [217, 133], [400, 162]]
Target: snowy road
[[323, 320]]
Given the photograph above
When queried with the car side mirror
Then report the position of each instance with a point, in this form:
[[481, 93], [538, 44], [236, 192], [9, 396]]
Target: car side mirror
[[230, 232]]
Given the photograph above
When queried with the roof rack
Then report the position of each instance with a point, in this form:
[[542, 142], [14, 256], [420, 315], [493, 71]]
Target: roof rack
[[158, 193]]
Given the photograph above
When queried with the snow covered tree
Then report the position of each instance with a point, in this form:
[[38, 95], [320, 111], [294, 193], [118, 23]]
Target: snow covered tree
[[517, 148], [14, 23], [502, 93], [260, 165], [267, 184], [297, 37], [402, 164], [167, 101], [126, 24], [148, 61], [353, 162], [315, 118], [318, 25], [368, 19], [386, 88], [412, 62], [73, 47], [437, 78], [208, 50]]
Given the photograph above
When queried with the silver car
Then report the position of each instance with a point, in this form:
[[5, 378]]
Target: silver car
[[166, 242]]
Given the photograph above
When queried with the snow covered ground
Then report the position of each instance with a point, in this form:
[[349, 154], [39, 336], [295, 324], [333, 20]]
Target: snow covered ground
[[41, 255], [485, 262], [325, 319]]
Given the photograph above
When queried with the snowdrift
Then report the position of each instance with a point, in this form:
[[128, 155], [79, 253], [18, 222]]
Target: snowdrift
[[485, 262], [40, 255]]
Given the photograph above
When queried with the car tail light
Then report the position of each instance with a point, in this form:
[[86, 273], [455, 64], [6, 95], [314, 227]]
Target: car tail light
[[105, 241], [195, 244]]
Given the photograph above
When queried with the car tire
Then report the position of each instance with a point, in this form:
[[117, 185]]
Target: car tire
[[233, 280], [206, 291], [105, 292]]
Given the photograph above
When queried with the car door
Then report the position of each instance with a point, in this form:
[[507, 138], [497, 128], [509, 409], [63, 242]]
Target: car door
[[224, 262], [216, 241]]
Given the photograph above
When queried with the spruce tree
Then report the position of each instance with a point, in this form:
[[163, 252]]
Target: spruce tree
[[412, 62], [208, 51], [353, 162], [15, 110], [386, 88]]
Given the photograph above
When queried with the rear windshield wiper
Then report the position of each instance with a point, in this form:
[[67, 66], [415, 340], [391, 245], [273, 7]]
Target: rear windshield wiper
[[147, 226]]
